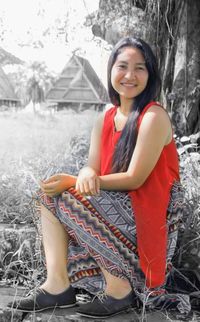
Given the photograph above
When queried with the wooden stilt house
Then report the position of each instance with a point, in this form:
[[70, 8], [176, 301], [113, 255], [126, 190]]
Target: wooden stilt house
[[8, 97], [78, 87]]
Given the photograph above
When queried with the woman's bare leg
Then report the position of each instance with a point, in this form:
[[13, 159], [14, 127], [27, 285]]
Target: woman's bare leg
[[115, 286], [55, 241]]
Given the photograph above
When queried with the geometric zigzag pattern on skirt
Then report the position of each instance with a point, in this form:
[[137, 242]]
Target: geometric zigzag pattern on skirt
[[102, 233]]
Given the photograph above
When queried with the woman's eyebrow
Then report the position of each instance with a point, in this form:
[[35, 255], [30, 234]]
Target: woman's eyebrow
[[122, 62], [142, 63], [125, 62]]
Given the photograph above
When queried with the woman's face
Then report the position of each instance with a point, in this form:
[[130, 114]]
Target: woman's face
[[129, 75]]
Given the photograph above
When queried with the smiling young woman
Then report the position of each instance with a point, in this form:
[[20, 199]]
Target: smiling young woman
[[118, 220]]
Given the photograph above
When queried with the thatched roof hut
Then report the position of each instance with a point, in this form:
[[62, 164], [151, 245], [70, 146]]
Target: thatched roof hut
[[7, 93], [8, 97], [78, 87], [8, 58]]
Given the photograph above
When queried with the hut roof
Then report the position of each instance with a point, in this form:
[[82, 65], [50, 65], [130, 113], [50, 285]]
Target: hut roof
[[6, 88], [8, 58], [78, 82]]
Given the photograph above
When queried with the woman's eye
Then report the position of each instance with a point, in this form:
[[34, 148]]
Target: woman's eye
[[140, 68], [122, 66]]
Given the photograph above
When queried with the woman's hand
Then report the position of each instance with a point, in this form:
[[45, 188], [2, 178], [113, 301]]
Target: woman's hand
[[88, 182], [57, 183]]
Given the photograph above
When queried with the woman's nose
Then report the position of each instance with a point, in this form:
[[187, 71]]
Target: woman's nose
[[130, 74]]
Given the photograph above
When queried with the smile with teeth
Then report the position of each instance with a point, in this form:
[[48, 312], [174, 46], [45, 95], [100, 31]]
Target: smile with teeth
[[129, 84]]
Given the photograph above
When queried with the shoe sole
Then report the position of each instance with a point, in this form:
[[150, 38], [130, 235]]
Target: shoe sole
[[46, 308], [128, 310]]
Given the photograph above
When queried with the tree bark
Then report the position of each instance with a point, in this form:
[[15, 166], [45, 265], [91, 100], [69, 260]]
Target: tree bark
[[193, 67], [187, 71]]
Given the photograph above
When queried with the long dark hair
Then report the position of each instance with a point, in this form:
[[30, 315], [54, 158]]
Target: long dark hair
[[126, 144]]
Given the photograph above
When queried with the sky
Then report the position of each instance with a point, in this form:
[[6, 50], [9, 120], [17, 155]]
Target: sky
[[25, 21]]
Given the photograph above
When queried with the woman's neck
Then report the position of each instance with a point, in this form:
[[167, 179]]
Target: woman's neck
[[125, 106], [125, 110]]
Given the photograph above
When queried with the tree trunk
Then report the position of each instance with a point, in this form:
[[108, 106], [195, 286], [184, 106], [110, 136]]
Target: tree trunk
[[193, 67], [186, 78]]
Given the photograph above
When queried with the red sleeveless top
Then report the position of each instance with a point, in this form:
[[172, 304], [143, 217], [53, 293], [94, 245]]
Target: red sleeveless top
[[149, 202]]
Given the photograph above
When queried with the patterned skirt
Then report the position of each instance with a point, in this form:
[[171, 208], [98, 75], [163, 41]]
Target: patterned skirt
[[102, 233]]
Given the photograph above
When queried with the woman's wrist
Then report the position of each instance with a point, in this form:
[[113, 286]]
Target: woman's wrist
[[88, 168]]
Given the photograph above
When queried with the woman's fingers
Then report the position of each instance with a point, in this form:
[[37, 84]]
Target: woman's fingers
[[53, 178], [84, 186], [93, 187], [79, 186], [97, 185], [49, 187], [89, 187]]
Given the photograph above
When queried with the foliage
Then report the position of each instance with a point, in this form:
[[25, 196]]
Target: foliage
[[20, 256], [32, 81], [189, 245], [35, 92]]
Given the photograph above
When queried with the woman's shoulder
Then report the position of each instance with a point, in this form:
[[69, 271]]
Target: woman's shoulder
[[156, 114], [159, 112], [156, 119], [150, 105], [154, 110]]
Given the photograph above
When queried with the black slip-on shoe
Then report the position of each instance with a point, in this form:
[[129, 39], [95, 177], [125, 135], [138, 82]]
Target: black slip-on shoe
[[104, 306], [40, 300]]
